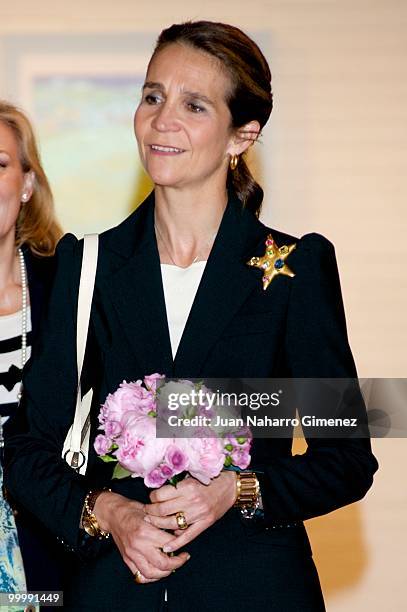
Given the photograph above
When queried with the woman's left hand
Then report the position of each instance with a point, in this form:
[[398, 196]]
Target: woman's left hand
[[201, 505]]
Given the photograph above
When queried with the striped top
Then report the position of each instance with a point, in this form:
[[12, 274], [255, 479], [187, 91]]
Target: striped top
[[10, 360]]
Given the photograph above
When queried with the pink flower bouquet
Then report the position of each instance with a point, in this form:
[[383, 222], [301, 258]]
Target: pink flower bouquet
[[128, 420]]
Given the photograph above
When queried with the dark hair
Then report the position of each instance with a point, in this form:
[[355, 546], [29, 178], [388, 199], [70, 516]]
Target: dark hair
[[250, 97]]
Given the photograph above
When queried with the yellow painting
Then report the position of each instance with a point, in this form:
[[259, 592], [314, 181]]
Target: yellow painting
[[88, 147]]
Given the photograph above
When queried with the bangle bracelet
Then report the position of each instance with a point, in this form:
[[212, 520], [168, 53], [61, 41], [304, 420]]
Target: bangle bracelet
[[89, 521]]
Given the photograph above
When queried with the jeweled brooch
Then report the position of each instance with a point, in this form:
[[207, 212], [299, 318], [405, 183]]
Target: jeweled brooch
[[273, 261]]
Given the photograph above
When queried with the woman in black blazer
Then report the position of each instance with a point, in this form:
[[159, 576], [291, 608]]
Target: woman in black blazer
[[29, 233], [45, 562], [206, 97]]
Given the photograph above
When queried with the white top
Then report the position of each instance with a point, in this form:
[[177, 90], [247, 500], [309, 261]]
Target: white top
[[180, 287], [10, 357]]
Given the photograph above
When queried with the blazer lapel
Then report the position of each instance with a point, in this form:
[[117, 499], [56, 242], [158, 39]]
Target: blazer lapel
[[226, 283], [136, 293], [134, 289]]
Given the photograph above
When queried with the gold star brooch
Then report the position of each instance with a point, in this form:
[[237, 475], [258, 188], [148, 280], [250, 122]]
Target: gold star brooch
[[273, 261]]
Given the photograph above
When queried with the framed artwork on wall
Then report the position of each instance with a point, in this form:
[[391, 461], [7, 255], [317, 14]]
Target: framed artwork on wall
[[81, 93]]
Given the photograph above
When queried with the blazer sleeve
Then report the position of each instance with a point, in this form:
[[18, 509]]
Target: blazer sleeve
[[332, 472], [35, 474]]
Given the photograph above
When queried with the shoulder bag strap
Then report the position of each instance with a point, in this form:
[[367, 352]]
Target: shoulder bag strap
[[86, 287]]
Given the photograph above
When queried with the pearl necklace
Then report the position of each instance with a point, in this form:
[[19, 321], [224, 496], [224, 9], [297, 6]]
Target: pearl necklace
[[24, 291]]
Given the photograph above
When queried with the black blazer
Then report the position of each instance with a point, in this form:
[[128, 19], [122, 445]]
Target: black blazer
[[43, 559], [40, 274], [235, 329]]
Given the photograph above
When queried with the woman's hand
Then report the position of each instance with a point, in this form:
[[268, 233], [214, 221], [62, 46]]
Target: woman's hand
[[201, 504], [138, 542]]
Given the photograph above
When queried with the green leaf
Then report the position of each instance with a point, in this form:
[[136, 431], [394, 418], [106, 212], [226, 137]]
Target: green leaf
[[229, 447], [176, 479], [120, 472], [241, 440], [152, 413], [107, 458], [189, 412], [228, 461]]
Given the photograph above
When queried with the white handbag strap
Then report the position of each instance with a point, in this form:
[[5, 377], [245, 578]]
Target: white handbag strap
[[86, 287]]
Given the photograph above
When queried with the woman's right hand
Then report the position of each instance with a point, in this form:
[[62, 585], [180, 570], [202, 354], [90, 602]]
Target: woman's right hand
[[138, 542]]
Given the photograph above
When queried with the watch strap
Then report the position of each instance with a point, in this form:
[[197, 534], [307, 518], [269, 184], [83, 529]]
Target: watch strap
[[89, 521], [247, 493]]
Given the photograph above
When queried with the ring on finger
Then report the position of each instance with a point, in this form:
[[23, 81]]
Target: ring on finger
[[138, 577], [181, 520]]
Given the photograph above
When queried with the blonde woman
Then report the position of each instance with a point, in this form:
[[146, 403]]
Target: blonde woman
[[29, 233]]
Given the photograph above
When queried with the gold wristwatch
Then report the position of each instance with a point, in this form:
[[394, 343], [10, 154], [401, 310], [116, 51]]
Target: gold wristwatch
[[247, 493], [89, 521]]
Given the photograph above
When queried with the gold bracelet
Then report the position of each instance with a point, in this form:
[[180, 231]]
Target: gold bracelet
[[89, 521], [238, 488], [247, 493]]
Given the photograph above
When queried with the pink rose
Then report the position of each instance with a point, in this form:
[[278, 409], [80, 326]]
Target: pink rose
[[151, 381], [176, 458], [240, 458], [154, 479], [128, 397], [167, 471], [102, 444], [134, 396], [139, 450], [206, 458], [128, 453], [137, 425], [112, 428], [128, 418]]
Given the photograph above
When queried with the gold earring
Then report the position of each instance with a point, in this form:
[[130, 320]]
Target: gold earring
[[234, 159]]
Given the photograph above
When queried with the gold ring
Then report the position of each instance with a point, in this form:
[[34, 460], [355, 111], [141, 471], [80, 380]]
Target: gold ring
[[181, 520], [138, 577]]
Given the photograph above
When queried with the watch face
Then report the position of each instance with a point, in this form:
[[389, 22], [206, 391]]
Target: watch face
[[88, 526]]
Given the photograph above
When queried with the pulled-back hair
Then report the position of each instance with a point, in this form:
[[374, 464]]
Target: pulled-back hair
[[249, 98], [36, 225]]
